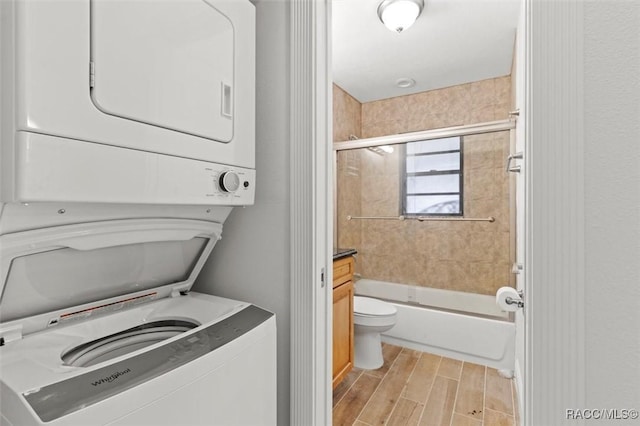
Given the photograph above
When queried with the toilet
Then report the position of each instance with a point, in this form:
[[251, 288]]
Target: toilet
[[370, 318]]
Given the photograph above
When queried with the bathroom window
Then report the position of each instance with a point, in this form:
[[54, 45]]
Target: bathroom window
[[432, 178]]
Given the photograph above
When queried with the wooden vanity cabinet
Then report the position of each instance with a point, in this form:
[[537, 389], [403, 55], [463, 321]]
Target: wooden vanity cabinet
[[342, 318]]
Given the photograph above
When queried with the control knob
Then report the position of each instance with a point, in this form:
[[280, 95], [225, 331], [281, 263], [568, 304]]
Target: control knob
[[229, 181]]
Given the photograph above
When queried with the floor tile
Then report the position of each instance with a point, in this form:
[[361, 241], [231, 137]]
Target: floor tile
[[406, 413], [385, 397], [439, 407], [496, 418], [498, 392], [450, 368], [460, 420], [347, 410], [470, 398], [421, 380], [415, 388], [346, 383]]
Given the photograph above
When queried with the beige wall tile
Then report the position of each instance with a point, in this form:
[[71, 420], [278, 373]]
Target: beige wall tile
[[347, 115], [448, 255], [503, 89]]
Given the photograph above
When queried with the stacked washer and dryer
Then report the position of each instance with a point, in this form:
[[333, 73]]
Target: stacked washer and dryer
[[127, 133]]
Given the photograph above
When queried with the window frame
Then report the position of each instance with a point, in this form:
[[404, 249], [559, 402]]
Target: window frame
[[403, 178]]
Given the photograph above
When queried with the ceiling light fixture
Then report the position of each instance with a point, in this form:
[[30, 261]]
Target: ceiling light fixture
[[398, 15]]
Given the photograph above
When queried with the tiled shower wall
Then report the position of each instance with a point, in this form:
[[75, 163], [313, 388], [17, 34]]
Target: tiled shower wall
[[347, 122], [463, 256]]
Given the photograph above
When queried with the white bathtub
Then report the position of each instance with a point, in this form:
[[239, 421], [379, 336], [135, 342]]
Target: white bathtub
[[430, 320]]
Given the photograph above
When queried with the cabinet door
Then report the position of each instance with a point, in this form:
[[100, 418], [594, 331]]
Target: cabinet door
[[165, 63], [342, 331], [342, 271]]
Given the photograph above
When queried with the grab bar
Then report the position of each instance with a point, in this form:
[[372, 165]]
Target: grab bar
[[425, 218]]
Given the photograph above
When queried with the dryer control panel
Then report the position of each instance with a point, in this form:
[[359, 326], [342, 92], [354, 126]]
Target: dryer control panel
[[73, 171], [231, 183]]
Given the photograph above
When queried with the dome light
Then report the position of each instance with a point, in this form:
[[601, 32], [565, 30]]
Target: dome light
[[398, 15]]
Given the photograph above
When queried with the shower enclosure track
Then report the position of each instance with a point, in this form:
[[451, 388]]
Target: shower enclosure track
[[446, 132]]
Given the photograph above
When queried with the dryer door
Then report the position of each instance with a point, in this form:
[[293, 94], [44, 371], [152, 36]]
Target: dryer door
[[164, 63]]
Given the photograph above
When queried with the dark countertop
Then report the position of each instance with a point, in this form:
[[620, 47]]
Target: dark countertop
[[339, 253]]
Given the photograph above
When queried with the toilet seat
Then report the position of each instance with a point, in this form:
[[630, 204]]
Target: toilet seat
[[367, 306]]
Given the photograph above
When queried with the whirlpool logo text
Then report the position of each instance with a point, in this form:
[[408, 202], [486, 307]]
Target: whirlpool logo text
[[111, 378]]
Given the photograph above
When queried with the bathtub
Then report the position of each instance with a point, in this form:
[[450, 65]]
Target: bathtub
[[463, 326]]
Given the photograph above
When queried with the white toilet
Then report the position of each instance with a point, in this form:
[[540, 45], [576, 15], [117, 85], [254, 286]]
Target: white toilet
[[370, 318]]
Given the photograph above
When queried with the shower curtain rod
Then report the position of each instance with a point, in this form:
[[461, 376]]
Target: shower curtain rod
[[426, 218]]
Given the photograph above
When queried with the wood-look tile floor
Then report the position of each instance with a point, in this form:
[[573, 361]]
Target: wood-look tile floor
[[418, 388]]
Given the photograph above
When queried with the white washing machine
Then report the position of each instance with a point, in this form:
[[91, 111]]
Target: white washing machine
[[128, 101], [98, 326]]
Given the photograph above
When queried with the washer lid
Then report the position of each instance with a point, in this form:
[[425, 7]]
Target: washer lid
[[58, 268], [370, 306]]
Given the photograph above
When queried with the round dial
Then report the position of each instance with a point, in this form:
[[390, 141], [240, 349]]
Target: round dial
[[229, 181]]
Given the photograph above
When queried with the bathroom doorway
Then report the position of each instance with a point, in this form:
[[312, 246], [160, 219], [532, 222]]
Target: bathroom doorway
[[422, 189]]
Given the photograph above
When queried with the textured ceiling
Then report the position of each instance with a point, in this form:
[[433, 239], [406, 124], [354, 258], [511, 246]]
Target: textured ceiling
[[452, 42]]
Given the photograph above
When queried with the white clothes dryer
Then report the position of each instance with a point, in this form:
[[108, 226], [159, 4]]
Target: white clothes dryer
[[98, 326], [128, 101]]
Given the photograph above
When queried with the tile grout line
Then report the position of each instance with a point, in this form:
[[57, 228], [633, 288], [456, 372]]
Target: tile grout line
[[377, 387], [403, 388], [405, 383], [502, 412], [484, 394], [429, 393], [410, 376], [346, 392], [455, 399]]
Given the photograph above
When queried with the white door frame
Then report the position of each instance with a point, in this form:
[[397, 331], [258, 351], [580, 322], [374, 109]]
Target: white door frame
[[311, 212], [554, 371], [554, 355]]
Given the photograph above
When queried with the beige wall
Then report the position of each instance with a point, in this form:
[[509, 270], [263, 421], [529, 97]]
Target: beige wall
[[347, 121], [464, 256], [477, 102], [347, 115]]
